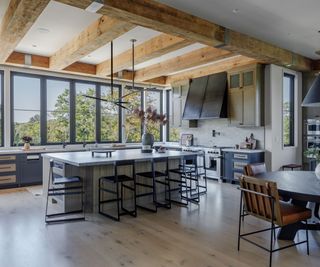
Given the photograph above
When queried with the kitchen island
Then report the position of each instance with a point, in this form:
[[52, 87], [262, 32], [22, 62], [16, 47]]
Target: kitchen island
[[90, 167]]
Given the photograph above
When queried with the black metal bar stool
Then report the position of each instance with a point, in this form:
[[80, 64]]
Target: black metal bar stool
[[154, 176], [188, 184], [126, 183], [292, 166], [64, 186], [202, 171]]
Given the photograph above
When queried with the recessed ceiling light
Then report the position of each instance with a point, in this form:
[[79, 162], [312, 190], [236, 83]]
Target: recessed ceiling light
[[235, 11], [43, 30]]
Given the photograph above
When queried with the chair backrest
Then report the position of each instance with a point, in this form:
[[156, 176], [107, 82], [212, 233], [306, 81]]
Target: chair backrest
[[258, 195], [255, 168], [190, 159]]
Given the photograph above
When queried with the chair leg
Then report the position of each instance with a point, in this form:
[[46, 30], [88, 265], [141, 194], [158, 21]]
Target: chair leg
[[307, 236], [240, 213]]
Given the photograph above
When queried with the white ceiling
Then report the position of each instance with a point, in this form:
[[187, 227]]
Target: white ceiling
[[121, 44], [290, 24], [62, 21]]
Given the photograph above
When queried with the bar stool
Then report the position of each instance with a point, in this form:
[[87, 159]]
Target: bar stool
[[155, 176], [64, 186], [202, 171], [116, 180], [188, 184]]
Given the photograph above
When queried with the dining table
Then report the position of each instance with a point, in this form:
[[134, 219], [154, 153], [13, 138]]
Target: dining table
[[301, 188]]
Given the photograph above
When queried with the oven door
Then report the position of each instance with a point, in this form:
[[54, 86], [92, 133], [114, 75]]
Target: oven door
[[213, 166], [313, 141]]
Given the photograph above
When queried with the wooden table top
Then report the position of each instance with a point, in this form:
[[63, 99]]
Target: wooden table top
[[300, 185]]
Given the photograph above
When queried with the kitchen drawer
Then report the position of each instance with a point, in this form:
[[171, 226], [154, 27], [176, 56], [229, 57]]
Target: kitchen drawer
[[8, 167], [8, 158], [238, 165], [240, 156], [237, 175], [8, 179]]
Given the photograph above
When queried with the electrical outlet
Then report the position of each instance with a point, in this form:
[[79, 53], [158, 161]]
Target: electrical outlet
[[213, 133]]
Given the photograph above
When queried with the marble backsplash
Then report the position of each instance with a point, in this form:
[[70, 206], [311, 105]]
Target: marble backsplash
[[229, 135]]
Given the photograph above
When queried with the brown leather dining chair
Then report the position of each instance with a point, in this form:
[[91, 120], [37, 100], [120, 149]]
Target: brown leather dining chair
[[255, 168], [261, 200]]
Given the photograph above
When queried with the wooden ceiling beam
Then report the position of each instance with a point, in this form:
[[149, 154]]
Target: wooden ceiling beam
[[127, 76], [18, 19], [195, 58], [95, 36], [262, 51], [157, 16], [153, 48], [80, 68], [224, 65]]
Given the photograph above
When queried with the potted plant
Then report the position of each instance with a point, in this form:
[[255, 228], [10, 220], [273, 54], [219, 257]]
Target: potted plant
[[314, 153], [149, 118], [26, 139]]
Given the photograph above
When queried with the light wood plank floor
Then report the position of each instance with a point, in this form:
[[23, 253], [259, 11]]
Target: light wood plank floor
[[196, 236]]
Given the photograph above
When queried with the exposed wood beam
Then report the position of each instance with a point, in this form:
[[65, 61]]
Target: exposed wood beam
[[127, 75], [17, 58], [223, 65], [262, 51], [154, 15], [18, 19], [153, 48], [95, 36], [80, 68], [195, 58], [160, 17]]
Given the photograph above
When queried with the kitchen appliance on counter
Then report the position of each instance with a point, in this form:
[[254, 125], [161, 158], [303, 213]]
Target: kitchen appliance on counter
[[313, 133], [186, 140]]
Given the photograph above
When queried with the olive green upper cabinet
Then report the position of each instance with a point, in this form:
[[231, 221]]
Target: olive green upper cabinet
[[245, 96]]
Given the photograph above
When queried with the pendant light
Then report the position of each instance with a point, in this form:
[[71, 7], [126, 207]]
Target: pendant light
[[312, 99]]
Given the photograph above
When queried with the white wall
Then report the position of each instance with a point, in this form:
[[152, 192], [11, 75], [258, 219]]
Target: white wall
[[276, 154], [229, 135]]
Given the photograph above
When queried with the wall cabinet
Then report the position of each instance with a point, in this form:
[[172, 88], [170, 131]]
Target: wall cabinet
[[245, 96]]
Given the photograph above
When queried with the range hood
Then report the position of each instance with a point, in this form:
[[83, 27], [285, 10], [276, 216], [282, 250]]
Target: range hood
[[207, 98]]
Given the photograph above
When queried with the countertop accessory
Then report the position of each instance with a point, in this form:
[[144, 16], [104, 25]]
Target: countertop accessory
[[108, 152], [186, 139]]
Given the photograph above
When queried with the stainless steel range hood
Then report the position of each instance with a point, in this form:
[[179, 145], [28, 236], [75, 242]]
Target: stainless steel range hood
[[207, 98]]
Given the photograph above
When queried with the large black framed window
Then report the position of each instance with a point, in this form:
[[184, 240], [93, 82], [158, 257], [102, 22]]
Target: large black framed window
[[55, 110], [132, 124], [1, 108], [288, 108], [25, 105], [153, 99], [173, 132]]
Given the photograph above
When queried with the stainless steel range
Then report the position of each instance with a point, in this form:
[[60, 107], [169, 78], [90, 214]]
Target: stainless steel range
[[213, 162]]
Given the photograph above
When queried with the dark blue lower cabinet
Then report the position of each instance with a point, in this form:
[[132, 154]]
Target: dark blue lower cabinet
[[234, 162], [30, 169]]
